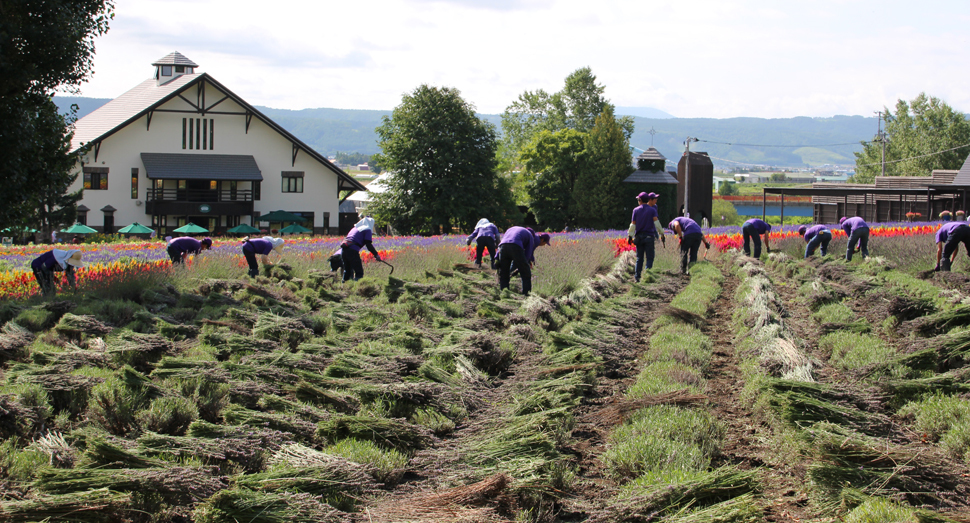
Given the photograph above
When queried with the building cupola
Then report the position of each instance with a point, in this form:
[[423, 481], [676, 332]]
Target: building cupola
[[172, 66]]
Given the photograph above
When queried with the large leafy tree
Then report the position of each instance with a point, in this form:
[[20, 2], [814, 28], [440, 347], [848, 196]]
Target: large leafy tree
[[44, 45], [443, 161], [52, 162], [554, 161], [916, 132], [602, 200]]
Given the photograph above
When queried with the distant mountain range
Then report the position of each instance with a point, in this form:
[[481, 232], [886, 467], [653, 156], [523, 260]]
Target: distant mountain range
[[775, 142]]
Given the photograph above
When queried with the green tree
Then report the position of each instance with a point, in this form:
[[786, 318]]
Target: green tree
[[443, 161], [553, 163], [44, 45], [575, 107], [723, 208], [52, 162], [728, 189], [600, 199], [778, 177], [916, 132]]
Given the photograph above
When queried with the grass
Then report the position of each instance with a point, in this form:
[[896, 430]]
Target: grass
[[662, 377], [936, 414], [852, 351], [684, 344], [663, 437]]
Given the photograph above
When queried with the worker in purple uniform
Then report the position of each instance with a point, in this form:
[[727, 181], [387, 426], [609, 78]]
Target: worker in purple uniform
[[518, 246], [691, 239], [754, 229], [858, 232], [179, 248], [360, 236], [816, 236], [262, 247], [643, 232], [948, 239], [56, 260], [486, 235]]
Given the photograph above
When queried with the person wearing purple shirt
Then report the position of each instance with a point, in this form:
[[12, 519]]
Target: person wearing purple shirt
[[948, 239], [816, 236], [518, 246], [753, 229], [858, 232], [179, 248], [57, 260], [691, 238], [644, 229], [262, 247], [360, 236], [486, 234]]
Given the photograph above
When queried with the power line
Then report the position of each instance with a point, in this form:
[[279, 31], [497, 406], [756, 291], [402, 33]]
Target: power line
[[915, 157], [795, 146]]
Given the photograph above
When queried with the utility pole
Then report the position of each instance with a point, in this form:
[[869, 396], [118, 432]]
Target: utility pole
[[881, 137], [687, 175]]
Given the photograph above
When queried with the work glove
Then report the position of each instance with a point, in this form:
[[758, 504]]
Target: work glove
[[937, 269], [767, 249], [468, 242], [378, 258], [663, 240], [629, 239]]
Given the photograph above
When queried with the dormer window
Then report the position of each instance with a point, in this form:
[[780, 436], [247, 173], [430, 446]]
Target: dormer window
[[179, 68], [166, 70]]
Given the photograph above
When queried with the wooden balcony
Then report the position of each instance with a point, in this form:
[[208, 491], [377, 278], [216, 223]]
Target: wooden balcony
[[216, 202]]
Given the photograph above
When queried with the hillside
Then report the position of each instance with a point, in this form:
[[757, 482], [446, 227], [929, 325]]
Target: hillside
[[779, 142]]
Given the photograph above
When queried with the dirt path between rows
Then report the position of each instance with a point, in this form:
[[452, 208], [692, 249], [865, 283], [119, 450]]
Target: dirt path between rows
[[746, 441], [441, 467]]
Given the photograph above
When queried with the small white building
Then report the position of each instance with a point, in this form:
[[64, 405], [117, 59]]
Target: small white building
[[181, 147]]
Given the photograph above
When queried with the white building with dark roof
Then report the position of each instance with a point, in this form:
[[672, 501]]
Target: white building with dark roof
[[181, 147]]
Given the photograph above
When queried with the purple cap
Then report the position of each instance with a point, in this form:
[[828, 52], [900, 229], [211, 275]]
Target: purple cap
[[207, 242], [842, 220], [802, 229], [652, 195], [643, 196], [544, 237]]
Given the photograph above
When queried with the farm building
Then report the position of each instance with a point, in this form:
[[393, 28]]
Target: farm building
[[890, 198], [181, 147], [651, 177]]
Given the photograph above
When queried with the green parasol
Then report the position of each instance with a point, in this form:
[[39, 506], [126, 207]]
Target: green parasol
[[77, 228], [135, 228], [294, 229], [243, 229], [281, 216], [191, 228]]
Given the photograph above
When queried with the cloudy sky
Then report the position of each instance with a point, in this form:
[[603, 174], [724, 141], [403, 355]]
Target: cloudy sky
[[699, 58]]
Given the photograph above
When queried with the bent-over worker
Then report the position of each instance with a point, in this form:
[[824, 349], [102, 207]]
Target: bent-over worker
[[179, 248], [360, 236], [858, 232], [691, 238], [518, 246], [56, 260], [816, 236], [948, 239], [754, 229], [486, 235], [262, 247]]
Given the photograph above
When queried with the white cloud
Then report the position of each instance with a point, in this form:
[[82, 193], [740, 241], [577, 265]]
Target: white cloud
[[704, 58]]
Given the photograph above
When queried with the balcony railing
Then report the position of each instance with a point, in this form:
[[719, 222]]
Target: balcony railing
[[199, 195]]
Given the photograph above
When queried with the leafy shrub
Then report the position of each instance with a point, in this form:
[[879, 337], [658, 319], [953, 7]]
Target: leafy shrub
[[170, 415]]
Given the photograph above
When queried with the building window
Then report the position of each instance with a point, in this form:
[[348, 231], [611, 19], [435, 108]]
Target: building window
[[134, 183], [179, 68], [256, 189], [166, 70], [326, 222], [233, 187], [198, 133], [292, 181], [213, 185], [96, 178], [82, 215]]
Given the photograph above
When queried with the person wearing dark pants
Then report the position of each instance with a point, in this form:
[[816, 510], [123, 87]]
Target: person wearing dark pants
[[752, 230], [948, 239], [643, 232], [57, 260], [816, 236], [179, 248], [518, 246], [360, 236], [691, 239], [485, 234], [261, 247], [858, 232]]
